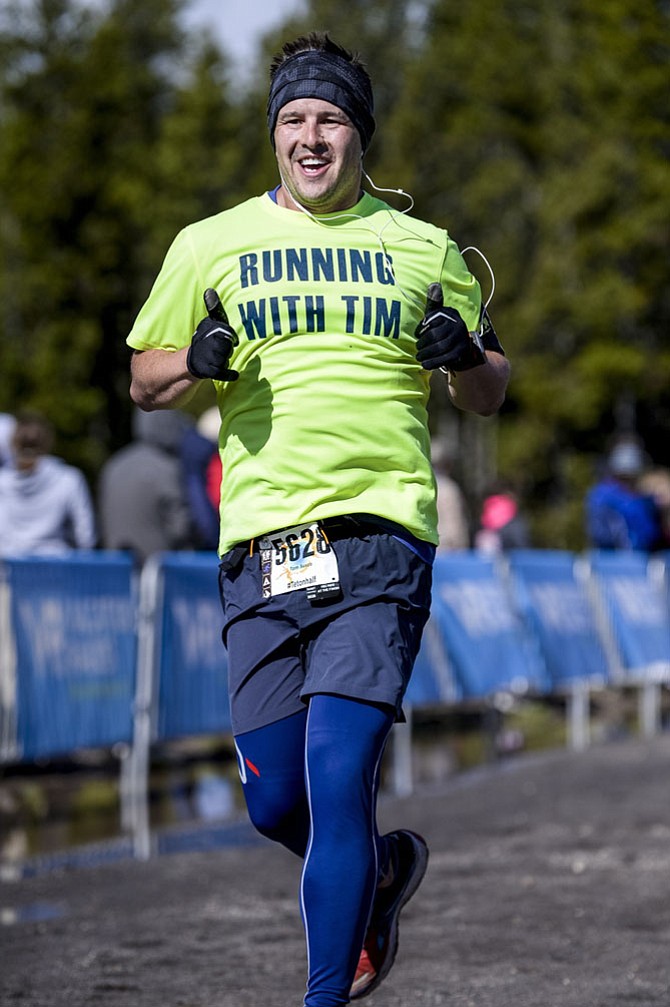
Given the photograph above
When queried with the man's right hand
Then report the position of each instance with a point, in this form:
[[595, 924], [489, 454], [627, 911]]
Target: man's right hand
[[210, 350]]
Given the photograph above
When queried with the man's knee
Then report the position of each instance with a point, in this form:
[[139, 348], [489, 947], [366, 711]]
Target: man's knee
[[282, 817]]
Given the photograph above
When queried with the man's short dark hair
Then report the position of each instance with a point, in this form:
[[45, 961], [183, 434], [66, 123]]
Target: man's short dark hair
[[321, 42]]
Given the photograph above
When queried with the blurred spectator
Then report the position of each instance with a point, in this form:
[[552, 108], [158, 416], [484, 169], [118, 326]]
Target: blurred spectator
[[618, 514], [141, 493], [45, 504], [209, 426], [199, 452], [656, 484], [452, 522], [7, 425], [501, 524]]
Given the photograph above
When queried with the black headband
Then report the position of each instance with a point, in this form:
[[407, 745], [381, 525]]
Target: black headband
[[318, 74]]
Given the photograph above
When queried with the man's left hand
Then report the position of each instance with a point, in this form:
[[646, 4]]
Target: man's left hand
[[443, 339]]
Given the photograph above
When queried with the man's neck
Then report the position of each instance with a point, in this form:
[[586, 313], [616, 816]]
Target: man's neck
[[284, 199]]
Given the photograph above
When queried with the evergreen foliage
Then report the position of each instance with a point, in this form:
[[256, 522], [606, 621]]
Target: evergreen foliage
[[537, 131]]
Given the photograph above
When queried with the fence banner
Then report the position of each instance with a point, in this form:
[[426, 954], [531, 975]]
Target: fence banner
[[74, 639], [554, 604], [635, 610], [192, 671], [432, 680], [482, 634]]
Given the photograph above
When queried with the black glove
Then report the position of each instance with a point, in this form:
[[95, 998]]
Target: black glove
[[443, 339], [212, 343]]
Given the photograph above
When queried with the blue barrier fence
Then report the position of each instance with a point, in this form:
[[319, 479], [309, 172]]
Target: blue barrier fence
[[68, 653], [481, 629], [190, 666], [89, 657], [634, 609], [550, 592]]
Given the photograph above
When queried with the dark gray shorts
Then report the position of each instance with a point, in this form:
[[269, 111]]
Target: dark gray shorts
[[361, 644]]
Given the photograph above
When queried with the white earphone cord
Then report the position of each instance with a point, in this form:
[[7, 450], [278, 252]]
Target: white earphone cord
[[378, 234]]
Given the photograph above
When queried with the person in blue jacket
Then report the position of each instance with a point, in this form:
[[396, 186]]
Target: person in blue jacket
[[618, 514]]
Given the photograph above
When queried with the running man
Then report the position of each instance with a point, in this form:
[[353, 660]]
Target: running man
[[322, 358]]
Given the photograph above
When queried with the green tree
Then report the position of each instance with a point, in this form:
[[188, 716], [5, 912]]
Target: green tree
[[114, 131], [544, 141], [46, 347], [591, 356], [536, 131], [200, 164], [81, 102]]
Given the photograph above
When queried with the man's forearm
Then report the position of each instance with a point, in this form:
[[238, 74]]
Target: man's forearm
[[481, 389], [160, 379]]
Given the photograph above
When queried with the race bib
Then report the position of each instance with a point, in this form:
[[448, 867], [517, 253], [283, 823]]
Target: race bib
[[296, 559]]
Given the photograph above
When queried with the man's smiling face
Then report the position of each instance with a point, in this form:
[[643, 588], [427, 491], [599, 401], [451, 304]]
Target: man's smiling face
[[319, 156]]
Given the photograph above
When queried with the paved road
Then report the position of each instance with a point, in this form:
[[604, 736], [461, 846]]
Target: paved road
[[548, 886]]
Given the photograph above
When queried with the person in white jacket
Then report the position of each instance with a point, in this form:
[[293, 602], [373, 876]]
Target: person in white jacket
[[7, 425], [45, 504]]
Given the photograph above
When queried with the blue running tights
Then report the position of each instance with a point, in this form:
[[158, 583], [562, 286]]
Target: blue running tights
[[310, 782]]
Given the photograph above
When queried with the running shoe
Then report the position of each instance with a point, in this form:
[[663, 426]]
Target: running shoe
[[409, 859]]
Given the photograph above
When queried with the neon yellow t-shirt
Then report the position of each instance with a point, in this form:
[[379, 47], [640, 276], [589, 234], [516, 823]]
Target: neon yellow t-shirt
[[328, 416]]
